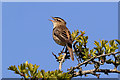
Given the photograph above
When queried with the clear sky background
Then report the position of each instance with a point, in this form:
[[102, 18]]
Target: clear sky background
[[27, 33]]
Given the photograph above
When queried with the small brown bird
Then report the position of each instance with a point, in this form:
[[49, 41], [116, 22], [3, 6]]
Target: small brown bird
[[62, 35]]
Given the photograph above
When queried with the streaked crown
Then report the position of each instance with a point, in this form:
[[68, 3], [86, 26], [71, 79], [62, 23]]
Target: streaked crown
[[58, 19]]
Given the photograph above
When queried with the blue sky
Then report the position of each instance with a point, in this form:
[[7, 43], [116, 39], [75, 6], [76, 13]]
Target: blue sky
[[60, 0], [27, 33]]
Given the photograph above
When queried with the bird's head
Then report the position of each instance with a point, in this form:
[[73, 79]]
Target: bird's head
[[57, 21]]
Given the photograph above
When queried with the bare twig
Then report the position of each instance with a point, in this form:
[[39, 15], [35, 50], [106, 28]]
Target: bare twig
[[80, 64], [55, 56], [97, 62], [93, 71], [115, 61], [60, 62], [22, 74]]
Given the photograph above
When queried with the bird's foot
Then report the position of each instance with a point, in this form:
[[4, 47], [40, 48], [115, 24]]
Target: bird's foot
[[59, 53]]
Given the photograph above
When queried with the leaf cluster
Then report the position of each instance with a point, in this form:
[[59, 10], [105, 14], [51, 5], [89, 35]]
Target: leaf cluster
[[30, 71], [83, 53], [80, 45]]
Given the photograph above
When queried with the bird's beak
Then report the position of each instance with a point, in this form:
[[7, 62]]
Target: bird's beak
[[50, 19], [53, 17]]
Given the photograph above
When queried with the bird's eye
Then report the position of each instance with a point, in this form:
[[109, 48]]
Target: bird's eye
[[58, 20]]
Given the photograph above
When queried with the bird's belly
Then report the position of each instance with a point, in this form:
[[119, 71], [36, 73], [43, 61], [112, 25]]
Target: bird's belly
[[58, 41]]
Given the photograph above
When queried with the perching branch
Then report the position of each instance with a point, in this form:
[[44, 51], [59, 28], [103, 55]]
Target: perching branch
[[93, 71], [97, 62], [80, 64], [60, 62], [61, 58]]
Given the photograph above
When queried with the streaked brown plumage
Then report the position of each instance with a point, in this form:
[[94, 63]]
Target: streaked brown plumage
[[62, 35]]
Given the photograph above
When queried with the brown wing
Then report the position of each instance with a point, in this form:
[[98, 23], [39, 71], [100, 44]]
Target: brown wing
[[63, 34]]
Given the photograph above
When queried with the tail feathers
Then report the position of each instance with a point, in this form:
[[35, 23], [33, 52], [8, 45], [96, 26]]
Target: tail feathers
[[71, 52]]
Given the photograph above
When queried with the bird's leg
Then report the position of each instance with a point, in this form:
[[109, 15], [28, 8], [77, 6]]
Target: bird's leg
[[66, 49], [67, 53], [63, 49]]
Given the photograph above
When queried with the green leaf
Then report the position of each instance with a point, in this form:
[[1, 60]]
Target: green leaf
[[34, 75], [86, 37], [23, 71], [91, 50], [109, 50], [112, 42], [79, 47], [19, 67], [118, 41], [26, 76], [34, 69], [93, 53], [26, 63], [27, 72], [59, 75], [107, 46], [96, 43], [39, 75], [82, 32], [74, 34], [104, 42], [43, 72], [84, 57], [101, 43], [82, 38], [14, 68], [24, 66], [80, 41], [30, 67]]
